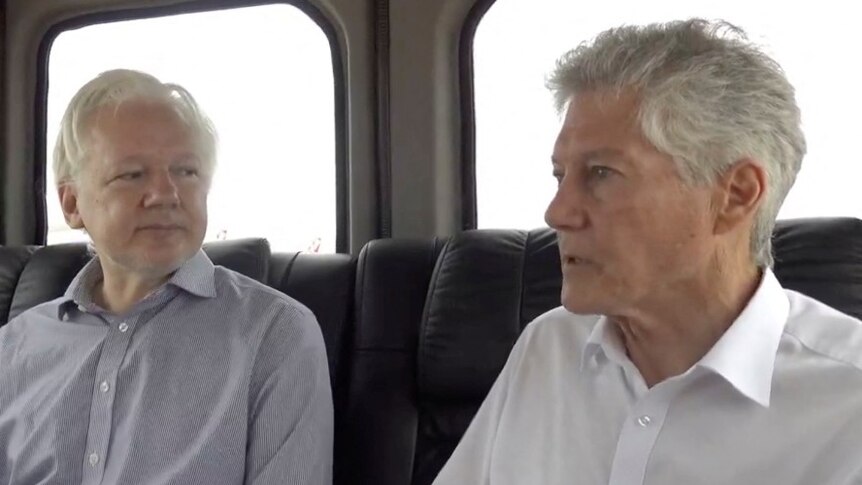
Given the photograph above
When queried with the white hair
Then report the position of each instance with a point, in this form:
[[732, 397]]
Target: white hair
[[708, 98], [112, 88]]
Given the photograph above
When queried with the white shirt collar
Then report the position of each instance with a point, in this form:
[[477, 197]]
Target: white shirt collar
[[744, 356], [603, 341]]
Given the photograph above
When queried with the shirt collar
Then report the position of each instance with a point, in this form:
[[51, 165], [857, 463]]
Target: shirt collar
[[195, 276], [744, 356], [603, 341], [79, 291]]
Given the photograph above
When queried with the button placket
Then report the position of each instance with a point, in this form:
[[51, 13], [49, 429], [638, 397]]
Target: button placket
[[639, 434], [115, 346]]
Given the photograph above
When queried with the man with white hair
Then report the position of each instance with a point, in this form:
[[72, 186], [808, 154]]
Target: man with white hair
[[676, 357], [156, 366]]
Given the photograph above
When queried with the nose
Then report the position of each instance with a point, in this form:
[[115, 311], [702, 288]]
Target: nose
[[567, 209], [162, 191]]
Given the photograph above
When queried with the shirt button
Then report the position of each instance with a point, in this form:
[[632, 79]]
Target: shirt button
[[93, 459], [104, 386], [644, 421], [123, 327]]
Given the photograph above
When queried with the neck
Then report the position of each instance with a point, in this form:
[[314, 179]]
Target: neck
[[120, 290], [680, 327]]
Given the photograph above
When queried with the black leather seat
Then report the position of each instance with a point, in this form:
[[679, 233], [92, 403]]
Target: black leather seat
[[325, 284], [822, 258], [423, 360]]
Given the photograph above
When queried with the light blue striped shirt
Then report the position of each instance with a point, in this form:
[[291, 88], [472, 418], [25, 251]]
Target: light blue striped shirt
[[212, 379]]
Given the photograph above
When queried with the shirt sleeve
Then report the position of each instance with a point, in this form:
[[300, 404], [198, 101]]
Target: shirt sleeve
[[471, 461], [290, 421]]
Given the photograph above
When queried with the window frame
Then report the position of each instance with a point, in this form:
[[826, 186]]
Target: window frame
[[469, 210], [40, 165]]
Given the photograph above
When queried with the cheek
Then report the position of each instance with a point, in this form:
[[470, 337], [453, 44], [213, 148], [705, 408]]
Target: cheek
[[197, 206], [119, 207], [637, 246], [667, 246], [201, 204]]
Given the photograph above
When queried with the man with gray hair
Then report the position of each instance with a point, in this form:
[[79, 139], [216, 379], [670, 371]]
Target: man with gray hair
[[676, 358], [156, 366]]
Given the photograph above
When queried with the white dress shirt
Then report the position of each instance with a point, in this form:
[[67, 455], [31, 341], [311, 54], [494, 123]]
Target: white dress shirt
[[777, 400]]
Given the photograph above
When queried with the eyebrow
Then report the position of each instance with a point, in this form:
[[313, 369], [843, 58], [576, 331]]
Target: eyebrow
[[138, 159]]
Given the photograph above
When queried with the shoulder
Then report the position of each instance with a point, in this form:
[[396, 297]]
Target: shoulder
[[824, 332], [34, 326], [555, 335], [47, 311], [559, 325], [236, 288], [285, 327]]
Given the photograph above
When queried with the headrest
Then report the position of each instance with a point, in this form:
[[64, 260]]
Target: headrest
[[488, 284], [822, 258], [248, 256], [12, 262], [51, 268], [47, 274]]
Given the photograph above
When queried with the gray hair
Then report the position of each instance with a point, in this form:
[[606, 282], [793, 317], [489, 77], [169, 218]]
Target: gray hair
[[708, 98], [112, 88]]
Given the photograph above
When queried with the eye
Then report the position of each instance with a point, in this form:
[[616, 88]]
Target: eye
[[187, 171], [600, 172], [130, 175], [558, 174]]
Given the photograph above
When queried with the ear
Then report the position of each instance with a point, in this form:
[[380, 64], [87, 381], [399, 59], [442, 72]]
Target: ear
[[69, 203], [739, 192]]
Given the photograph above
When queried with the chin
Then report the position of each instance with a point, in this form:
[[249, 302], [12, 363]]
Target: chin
[[580, 308], [582, 301], [164, 260]]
